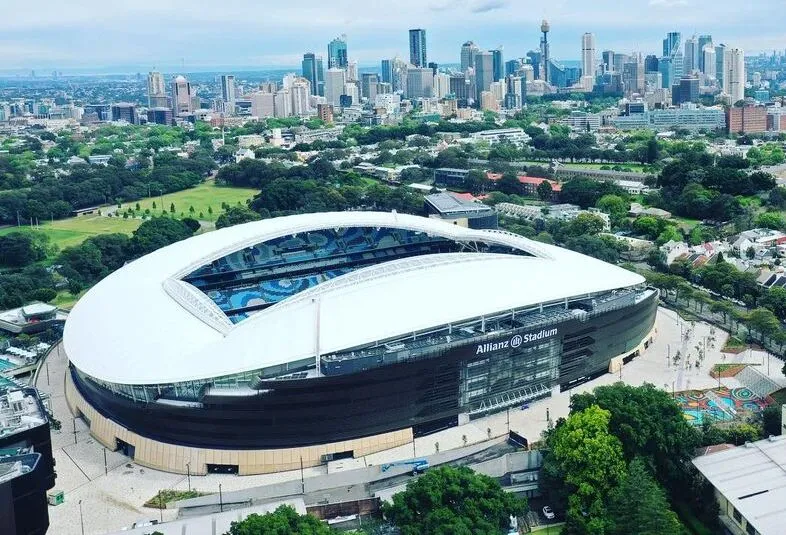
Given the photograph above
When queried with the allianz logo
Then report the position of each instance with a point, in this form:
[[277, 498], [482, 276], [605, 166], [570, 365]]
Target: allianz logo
[[515, 341]]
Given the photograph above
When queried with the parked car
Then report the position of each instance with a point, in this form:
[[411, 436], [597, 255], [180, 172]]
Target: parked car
[[548, 512]]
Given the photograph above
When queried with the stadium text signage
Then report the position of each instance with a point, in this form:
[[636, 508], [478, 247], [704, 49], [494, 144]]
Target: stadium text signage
[[515, 341]]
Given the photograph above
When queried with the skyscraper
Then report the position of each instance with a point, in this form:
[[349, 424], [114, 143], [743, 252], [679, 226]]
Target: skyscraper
[[708, 61], [182, 101], [513, 67], [420, 82], [228, 93], [672, 49], [608, 60], [468, 52], [368, 85], [484, 72], [736, 70], [704, 41], [498, 64], [691, 60], [544, 51], [335, 79], [337, 53], [156, 92], [720, 67], [588, 55], [671, 43], [651, 64], [417, 47], [313, 72], [387, 71]]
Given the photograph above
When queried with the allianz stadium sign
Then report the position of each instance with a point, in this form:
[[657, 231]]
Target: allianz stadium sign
[[515, 341]]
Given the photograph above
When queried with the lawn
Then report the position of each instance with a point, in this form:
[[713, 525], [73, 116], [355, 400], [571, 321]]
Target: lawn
[[74, 230], [65, 300], [202, 198], [634, 167]]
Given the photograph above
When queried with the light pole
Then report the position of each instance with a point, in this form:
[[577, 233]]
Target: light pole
[[220, 499], [81, 518], [188, 475]]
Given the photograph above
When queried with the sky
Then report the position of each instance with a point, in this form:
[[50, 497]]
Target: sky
[[205, 34]]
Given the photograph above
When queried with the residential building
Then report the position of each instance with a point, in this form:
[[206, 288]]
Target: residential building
[[263, 104], [325, 113], [736, 70], [588, 55], [746, 119], [488, 102], [417, 48], [441, 85], [337, 53], [335, 79]]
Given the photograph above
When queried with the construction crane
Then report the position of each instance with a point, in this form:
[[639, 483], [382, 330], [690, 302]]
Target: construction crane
[[418, 465]]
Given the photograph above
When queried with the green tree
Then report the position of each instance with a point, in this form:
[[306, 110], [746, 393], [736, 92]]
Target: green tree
[[639, 506], [157, 232], [545, 191], [771, 420], [236, 215], [614, 205], [283, 521], [589, 460], [453, 501]]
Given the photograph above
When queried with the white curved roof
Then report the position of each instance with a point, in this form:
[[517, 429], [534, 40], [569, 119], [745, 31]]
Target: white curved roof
[[142, 325]]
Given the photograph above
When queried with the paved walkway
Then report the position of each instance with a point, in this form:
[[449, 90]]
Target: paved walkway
[[114, 499]]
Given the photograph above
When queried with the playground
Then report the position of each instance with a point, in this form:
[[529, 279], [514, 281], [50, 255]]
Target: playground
[[720, 404]]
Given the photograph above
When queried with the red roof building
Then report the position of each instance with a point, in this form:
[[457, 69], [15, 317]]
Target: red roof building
[[530, 183]]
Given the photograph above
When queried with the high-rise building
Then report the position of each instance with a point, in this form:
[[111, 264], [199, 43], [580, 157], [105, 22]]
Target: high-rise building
[[160, 116], [672, 49], [666, 70], [314, 73], [263, 104], [544, 51], [335, 79], [588, 55], [417, 47], [325, 112], [498, 64], [124, 111], [708, 61], [399, 82], [282, 103], [461, 88], [468, 52], [420, 83], [651, 64], [352, 71], [671, 43], [746, 119], [368, 85], [704, 41], [608, 60], [515, 95], [228, 93], [721, 59], [513, 67], [630, 77], [156, 92], [387, 71], [534, 60], [337, 53], [441, 85], [434, 67], [736, 69], [686, 91], [299, 92], [691, 58], [618, 61], [182, 97], [484, 72]]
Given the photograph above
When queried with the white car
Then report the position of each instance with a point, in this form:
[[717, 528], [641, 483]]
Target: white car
[[548, 512]]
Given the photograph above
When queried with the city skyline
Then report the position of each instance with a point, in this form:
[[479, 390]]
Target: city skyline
[[242, 36]]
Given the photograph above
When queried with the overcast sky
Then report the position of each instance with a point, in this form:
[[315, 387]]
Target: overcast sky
[[86, 34]]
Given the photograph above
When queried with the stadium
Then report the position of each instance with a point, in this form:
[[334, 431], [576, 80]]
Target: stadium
[[282, 343]]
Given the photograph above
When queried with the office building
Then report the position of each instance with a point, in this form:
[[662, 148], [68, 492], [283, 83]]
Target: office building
[[686, 91], [313, 71], [704, 41], [335, 79], [400, 75], [630, 76], [461, 88], [156, 90], [441, 85], [736, 75], [721, 66], [352, 91], [498, 64], [368, 85], [182, 96], [515, 92], [484, 72], [299, 93], [708, 62], [417, 48], [513, 67], [618, 61], [263, 104], [672, 49], [691, 58], [228, 93], [608, 60], [420, 83], [545, 55], [588, 55], [160, 115], [352, 71], [468, 52], [124, 111], [651, 64], [264, 371], [337, 53], [387, 71]]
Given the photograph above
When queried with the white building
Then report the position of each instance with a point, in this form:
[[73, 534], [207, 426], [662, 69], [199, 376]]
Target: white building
[[262, 104], [736, 75], [335, 80], [588, 63], [509, 135], [441, 85]]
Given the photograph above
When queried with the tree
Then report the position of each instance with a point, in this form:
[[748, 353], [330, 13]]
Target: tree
[[283, 521], [19, 249], [614, 205], [156, 233], [639, 505], [589, 460], [545, 191], [771, 420], [453, 501], [236, 215]]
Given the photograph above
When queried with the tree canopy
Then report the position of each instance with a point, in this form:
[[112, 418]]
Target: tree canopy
[[283, 521]]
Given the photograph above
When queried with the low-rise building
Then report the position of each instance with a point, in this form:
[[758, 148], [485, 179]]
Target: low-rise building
[[746, 119], [502, 135], [456, 209]]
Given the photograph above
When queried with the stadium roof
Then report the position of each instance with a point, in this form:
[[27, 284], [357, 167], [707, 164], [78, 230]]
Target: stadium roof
[[143, 325]]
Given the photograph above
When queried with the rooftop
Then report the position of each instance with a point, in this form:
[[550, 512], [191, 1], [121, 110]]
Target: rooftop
[[20, 410], [17, 465], [753, 479], [447, 203]]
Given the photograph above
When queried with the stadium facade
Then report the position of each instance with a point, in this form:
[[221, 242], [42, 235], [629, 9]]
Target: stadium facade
[[263, 346]]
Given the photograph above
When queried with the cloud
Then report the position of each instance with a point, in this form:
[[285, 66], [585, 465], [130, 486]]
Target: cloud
[[489, 5]]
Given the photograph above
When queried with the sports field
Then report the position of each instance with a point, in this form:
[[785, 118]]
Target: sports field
[[202, 198], [74, 230]]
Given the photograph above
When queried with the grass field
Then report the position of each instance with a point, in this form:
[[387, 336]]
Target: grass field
[[74, 230], [202, 197]]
